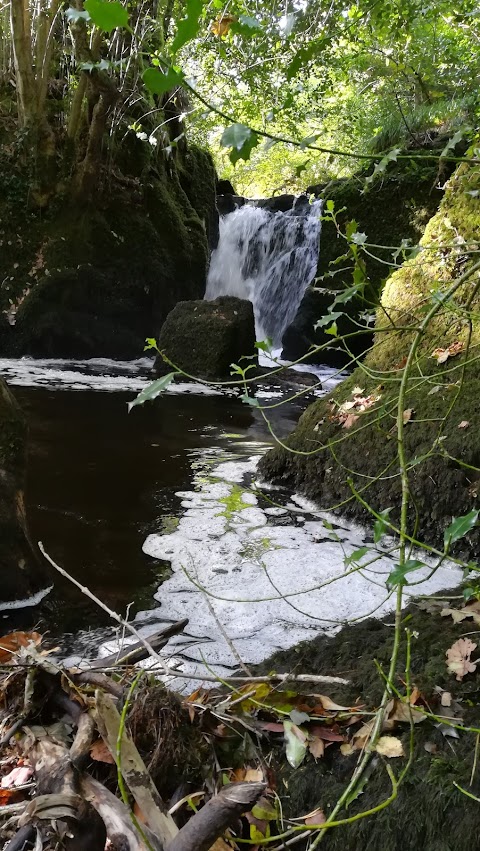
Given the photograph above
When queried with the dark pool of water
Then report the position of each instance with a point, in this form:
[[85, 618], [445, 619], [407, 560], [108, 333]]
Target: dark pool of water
[[100, 480]]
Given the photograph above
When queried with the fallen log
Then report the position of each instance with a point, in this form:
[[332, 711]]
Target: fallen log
[[133, 653], [220, 812], [133, 769]]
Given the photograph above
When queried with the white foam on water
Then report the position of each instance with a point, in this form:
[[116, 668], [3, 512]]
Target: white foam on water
[[240, 569], [26, 602], [101, 374]]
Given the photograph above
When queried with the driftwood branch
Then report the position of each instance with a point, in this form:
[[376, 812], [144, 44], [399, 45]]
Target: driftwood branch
[[133, 770], [116, 818], [134, 653], [201, 831]]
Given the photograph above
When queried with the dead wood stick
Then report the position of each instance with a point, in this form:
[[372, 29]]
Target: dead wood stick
[[298, 678], [116, 818], [95, 678], [83, 738], [133, 769], [133, 653], [201, 831], [22, 836]]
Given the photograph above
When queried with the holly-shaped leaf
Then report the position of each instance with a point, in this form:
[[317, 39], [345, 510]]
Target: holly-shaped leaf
[[159, 83], [399, 574], [459, 527], [153, 390]]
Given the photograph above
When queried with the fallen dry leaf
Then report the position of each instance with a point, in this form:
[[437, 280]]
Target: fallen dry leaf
[[346, 749], [18, 776], [330, 705], [350, 420], [362, 735], [9, 644], [458, 658], [326, 733], [464, 424], [315, 817], [471, 610], [442, 355], [316, 747], [404, 713], [100, 752], [389, 746], [254, 775], [407, 415], [431, 747], [446, 698]]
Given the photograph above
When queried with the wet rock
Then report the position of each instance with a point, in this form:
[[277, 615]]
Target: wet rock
[[415, 198], [302, 335], [229, 203], [21, 571], [204, 338]]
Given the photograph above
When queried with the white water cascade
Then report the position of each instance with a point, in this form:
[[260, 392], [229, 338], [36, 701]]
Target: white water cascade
[[269, 258]]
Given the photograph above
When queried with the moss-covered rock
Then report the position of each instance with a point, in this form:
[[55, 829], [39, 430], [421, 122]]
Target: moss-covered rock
[[330, 455], [429, 813], [204, 338], [21, 572], [81, 282], [393, 209], [199, 181]]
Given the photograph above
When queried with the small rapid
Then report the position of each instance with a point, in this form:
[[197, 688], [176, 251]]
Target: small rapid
[[269, 258]]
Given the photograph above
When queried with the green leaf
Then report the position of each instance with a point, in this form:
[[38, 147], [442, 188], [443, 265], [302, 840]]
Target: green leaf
[[235, 136], [247, 26], [357, 555], [453, 142], [250, 400], [151, 391], [359, 238], [264, 345], [76, 15], [381, 525], [189, 27], [158, 83], [264, 810], [330, 205], [324, 320], [397, 576], [309, 140], [241, 140], [296, 744], [333, 330], [245, 150], [107, 15], [459, 527]]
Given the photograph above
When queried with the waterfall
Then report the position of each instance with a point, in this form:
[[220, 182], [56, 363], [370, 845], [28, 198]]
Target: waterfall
[[269, 258]]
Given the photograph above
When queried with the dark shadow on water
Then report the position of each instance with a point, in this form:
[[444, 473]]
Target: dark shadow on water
[[100, 480]]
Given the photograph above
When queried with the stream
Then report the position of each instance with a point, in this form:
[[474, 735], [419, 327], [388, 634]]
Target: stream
[[157, 513]]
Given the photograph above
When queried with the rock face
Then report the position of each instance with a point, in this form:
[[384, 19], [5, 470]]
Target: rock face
[[205, 337], [414, 199], [21, 572], [97, 280], [355, 442]]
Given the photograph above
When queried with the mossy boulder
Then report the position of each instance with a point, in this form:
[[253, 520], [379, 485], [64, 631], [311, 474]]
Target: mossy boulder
[[331, 456], [393, 209], [429, 812], [21, 572], [204, 338], [97, 280]]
